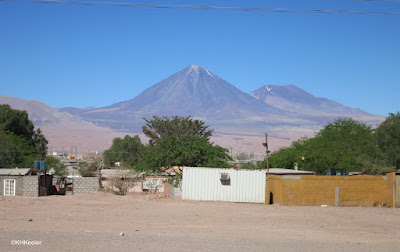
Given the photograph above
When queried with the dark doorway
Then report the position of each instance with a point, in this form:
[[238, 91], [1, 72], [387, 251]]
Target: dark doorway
[[45, 182]]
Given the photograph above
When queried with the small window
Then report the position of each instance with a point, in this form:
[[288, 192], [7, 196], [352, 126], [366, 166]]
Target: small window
[[9, 187], [224, 176]]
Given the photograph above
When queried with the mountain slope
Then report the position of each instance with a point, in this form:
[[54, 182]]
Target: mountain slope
[[193, 91], [39, 113], [240, 120], [63, 129], [74, 111], [296, 100]]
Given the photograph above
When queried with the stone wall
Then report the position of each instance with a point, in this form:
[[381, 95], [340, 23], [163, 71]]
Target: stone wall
[[85, 185], [30, 186]]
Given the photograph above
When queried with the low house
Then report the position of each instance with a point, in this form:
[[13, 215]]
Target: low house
[[110, 177], [24, 182], [137, 181], [12, 181]]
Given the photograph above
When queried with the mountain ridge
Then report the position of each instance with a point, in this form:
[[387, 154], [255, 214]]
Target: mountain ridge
[[193, 91], [297, 100], [239, 119]]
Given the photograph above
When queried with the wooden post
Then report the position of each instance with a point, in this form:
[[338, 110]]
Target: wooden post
[[266, 149]]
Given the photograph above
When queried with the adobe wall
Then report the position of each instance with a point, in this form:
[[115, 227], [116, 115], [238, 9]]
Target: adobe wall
[[397, 190], [391, 189], [274, 190], [328, 190], [137, 186]]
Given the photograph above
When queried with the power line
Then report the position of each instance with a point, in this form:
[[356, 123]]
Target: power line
[[390, 1], [203, 7]]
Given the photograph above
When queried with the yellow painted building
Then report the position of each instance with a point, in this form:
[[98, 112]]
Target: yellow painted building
[[332, 190]]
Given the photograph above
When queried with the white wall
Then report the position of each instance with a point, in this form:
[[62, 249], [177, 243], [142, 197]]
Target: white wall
[[205, 184]]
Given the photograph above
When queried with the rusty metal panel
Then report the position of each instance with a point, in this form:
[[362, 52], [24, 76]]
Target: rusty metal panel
[[205, 184]]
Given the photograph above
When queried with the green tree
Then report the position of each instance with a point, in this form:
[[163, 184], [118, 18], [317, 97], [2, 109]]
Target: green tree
[[347, 139], [15, 151], [129, 151], [283, 158], [388, 139], [16, 121], [20, 144], [59, 168], [40, 142], [185, 151], [344, 143], [92, 167], [245, 160], [160, 127]]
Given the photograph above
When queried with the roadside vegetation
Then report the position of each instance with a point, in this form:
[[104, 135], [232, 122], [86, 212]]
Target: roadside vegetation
[[176, 141], [345, 143]]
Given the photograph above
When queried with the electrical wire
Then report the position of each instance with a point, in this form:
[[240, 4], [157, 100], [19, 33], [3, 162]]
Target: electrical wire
[[390, 1], [203, 7]]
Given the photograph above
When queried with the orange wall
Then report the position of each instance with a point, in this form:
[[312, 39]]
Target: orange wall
[[397, 190], [328, 190], [391, 189]]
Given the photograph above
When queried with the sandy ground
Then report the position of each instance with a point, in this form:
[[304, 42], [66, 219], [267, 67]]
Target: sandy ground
[[94, 222]]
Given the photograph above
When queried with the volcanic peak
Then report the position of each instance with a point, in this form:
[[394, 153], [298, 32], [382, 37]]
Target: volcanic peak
[[197, 69]]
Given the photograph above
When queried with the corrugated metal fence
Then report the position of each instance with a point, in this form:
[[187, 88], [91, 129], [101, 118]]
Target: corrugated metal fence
[[205, 184]]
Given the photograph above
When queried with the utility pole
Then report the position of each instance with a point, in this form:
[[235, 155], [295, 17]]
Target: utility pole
[[266, 151]]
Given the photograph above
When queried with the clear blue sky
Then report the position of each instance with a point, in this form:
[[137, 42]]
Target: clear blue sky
[[72, 55]]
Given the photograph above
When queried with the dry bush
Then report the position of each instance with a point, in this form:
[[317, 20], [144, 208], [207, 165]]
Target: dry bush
[[123, 180]]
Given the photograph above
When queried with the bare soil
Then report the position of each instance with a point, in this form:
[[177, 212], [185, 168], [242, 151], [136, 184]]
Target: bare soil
[[106, 222], [93, 138]]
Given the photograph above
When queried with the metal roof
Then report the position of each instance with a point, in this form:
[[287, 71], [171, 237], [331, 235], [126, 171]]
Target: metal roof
[[282, 171], [109, 173], [14, 172], [272, 171]]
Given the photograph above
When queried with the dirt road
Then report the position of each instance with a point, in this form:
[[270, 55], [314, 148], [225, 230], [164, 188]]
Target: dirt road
[[106, 222]]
